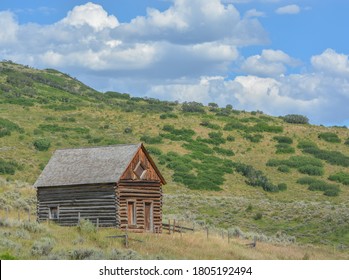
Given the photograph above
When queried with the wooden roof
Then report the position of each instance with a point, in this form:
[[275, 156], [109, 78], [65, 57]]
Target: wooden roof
[[96, 165]]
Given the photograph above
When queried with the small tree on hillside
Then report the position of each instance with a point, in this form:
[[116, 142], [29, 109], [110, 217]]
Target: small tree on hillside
[[193, 107], [293, 118]]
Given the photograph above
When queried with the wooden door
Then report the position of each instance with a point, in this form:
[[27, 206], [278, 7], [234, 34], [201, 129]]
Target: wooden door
[[131, 213], [148, 216]]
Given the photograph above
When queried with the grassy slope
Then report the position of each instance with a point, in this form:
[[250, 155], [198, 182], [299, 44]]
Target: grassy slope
[[308, 216]]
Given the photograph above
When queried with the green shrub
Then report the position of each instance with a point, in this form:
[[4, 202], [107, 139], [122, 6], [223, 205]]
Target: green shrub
[[198, 147], [258, 216], [7, 256], [151, 140], [128, 130], [311, 170], [193, 107], [8, 167], [223, 112], [275, 162], [332, 192], [319, 185], [305, 165], [42, 144], [230, 138], [154, 151], [306, 144], [52, 128], [6, 127], [341, 177], [307, 180], [85, 254], [254, 138], [255, 178], [168, 116], [61, 107], [94, 140], [282, 187], [329, 137], [117, 254], [212, 105], [42, 247], [234, 125], [210, 125], [86, 227], [328, 189], [284, 169], [33, 227], [175, 134], [215, 138], [21, 101], [216, 135], [284, 149], [222, 151], [297, 119], [197, 170], [331, 157], [118, 95], [264, 127], [296, 162], [68, 119], [250, 120], [346, 142], [283, 139]]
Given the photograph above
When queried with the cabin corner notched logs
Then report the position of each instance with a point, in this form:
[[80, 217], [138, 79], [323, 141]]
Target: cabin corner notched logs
[[114, 186]]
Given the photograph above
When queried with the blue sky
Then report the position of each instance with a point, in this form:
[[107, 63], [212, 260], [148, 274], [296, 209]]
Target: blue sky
[[278, 56]]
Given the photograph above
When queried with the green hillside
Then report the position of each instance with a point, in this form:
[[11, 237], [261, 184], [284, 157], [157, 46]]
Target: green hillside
[[227, 169]]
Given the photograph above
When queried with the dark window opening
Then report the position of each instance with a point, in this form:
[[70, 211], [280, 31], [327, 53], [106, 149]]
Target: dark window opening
[[53, 213], [140, 171]]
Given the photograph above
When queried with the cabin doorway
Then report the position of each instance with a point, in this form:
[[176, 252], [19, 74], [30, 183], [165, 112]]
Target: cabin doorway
[[131, 213], [148, 216]]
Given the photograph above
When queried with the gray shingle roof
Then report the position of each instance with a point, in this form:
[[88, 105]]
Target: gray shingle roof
[[87, 165]]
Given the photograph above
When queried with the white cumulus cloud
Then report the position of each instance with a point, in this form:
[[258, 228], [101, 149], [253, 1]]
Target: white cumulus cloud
[[289, 9], [92, 15], [254, 13], [194, 21], [269, 63], [8, 28], [331, 62], [186, 52]]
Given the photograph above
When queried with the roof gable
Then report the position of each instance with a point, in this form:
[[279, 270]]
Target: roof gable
[[87, 165], [143, 159]]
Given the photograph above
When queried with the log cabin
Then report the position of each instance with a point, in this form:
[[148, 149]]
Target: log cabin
[[112, 186]]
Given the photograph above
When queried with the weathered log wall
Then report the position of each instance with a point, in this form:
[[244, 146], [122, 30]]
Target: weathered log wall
[[91, 201], [140, 192]]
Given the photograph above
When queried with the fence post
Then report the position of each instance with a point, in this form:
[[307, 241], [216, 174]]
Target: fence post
[[78, 217], [169, 226], [97, 223], [228, 237], [174, 226], [207, 233], [126, 240], [6, 213]]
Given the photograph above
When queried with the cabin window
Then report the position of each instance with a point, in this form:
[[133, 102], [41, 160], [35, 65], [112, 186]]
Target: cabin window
[[53, 213], [140, 170], [131, 215]]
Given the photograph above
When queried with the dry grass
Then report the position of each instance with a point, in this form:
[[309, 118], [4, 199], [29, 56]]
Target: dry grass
[[69, 240]]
